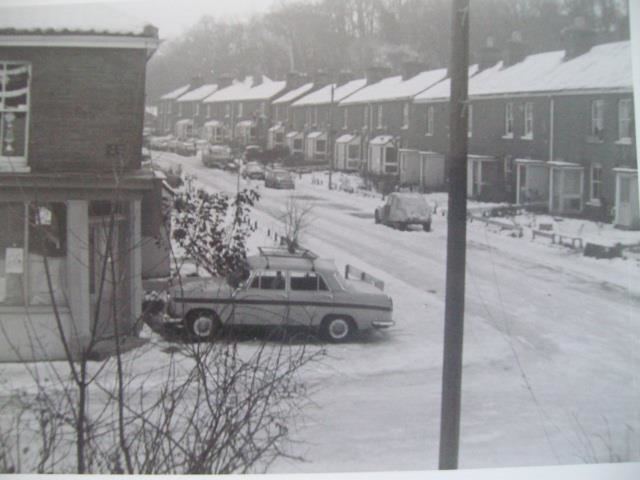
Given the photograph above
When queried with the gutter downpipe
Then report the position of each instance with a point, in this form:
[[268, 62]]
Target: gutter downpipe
[[551, 146]]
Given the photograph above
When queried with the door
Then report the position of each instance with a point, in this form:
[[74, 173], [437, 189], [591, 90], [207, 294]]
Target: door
[[624, 208], [309, 298], [263, 300]]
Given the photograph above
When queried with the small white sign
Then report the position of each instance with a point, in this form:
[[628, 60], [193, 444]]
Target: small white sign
[[14, 260], [44, 216]]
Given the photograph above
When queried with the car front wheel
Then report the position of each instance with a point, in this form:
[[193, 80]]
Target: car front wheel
[[203, 325], [338, 329]]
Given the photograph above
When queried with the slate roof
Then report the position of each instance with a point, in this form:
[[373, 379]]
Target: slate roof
[[293, 94], [322, 96], [199, 93]]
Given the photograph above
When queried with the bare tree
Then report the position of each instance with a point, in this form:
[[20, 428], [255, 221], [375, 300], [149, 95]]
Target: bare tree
[[296, 216]]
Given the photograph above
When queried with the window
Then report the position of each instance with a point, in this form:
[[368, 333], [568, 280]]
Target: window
[[430, 118], [625, 122], [263, 108], [321, 146], [197, 108], [180, 109], [469, 120], [379, 117], [345, 118], [596, 181], [508, 120], [308, 117], [405, 115], [365, 116], [528, 120], [597, 118], [208, 111], [31, 233], [279, 137], [239, 109], [170, 106], [14, 113], [353, 152], [268, 280], [307, 282], [297, 144]]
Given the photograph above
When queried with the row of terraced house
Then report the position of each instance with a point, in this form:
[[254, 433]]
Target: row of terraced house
[[554, 130]]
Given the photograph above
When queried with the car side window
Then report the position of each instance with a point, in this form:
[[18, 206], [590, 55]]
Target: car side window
[[269, 280], [307, 282]]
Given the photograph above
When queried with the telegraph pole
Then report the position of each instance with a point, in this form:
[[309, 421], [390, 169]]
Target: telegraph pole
[[456, 239], [329, 150]]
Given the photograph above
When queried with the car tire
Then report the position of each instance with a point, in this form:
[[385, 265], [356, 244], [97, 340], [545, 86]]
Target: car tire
[[338, 329], [426, 226], [401, 226], [203, 325], [376, 217]]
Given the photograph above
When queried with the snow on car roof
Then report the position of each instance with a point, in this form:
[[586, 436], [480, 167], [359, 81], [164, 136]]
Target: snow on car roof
[[322, 96], [257, 262], [606, 66], [199, 93], [172, 95], [293, 94], [246, 90], [395, 88], [440, 90], [94, 19]]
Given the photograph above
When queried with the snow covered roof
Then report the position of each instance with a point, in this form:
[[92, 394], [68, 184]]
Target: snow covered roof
[[293, 134], [322, 96], [185, 121], [76, 18], [175, 93], [381, 140], [316, 134], [346, 138], [395, 88], [213, 123], [245, 90], [277, 127], [245, 123], [441, 90], [293, 94], [198, 94], [604, 67]]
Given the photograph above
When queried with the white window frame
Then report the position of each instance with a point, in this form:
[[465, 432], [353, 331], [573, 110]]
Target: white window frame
[[345, 118], [625, 109], [365, 116], [430, 120], [508, 120], [528, 121], [597, 118], [240, 110], [405, 115], [379, 115], [16, 164], [595, 183], [469, 120]]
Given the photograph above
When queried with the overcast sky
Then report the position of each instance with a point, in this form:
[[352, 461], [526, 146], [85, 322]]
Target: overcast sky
[[172, 16]]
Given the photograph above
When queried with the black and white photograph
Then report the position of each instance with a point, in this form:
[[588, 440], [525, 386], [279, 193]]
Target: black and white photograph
[[368, 237]]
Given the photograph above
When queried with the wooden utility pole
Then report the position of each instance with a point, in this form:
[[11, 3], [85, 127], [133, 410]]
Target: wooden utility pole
[[456, 239]]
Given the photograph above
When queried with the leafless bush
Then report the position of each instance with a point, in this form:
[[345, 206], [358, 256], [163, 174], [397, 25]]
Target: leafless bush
[[296, 217]]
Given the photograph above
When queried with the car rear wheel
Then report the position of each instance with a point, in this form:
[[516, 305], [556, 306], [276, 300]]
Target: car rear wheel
[[426, 226], [338, 329], [203, 325]]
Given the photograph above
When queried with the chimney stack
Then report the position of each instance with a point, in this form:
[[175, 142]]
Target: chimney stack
[[320, 79], [224, 80], [256, 79], [374, 74], [489, 54], [344, 76], [516, 50], [578, 38], [412, 68], [196, 81], [294, 80]]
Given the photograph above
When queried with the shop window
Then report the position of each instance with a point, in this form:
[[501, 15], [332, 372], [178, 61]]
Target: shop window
[[33, 242], [14, 109]]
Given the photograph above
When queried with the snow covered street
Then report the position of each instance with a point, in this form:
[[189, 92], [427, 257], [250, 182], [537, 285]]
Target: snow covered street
[[551, 346]]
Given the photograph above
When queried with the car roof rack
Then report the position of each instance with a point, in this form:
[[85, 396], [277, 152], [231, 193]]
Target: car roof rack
[[276, 252]]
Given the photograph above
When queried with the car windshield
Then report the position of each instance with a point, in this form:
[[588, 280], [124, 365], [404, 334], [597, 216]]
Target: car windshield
[[415, 202]]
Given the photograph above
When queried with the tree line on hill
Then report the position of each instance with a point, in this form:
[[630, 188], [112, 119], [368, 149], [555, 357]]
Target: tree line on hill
[[350, 35]]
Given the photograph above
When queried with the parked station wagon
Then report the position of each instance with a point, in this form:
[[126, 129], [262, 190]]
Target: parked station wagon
[[282, 289]]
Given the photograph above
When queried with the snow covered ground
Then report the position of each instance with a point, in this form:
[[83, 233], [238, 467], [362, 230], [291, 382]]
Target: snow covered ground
[[552, 344]]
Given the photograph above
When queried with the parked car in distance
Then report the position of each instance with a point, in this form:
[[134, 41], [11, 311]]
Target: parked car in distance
[[252, 153], [216, 156], [403, 209], [186, 148], [278, 178], [232, 165], [253, 170], [278, 288]]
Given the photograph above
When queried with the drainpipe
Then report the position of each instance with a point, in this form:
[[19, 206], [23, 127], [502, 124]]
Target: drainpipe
[[551, 147]]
